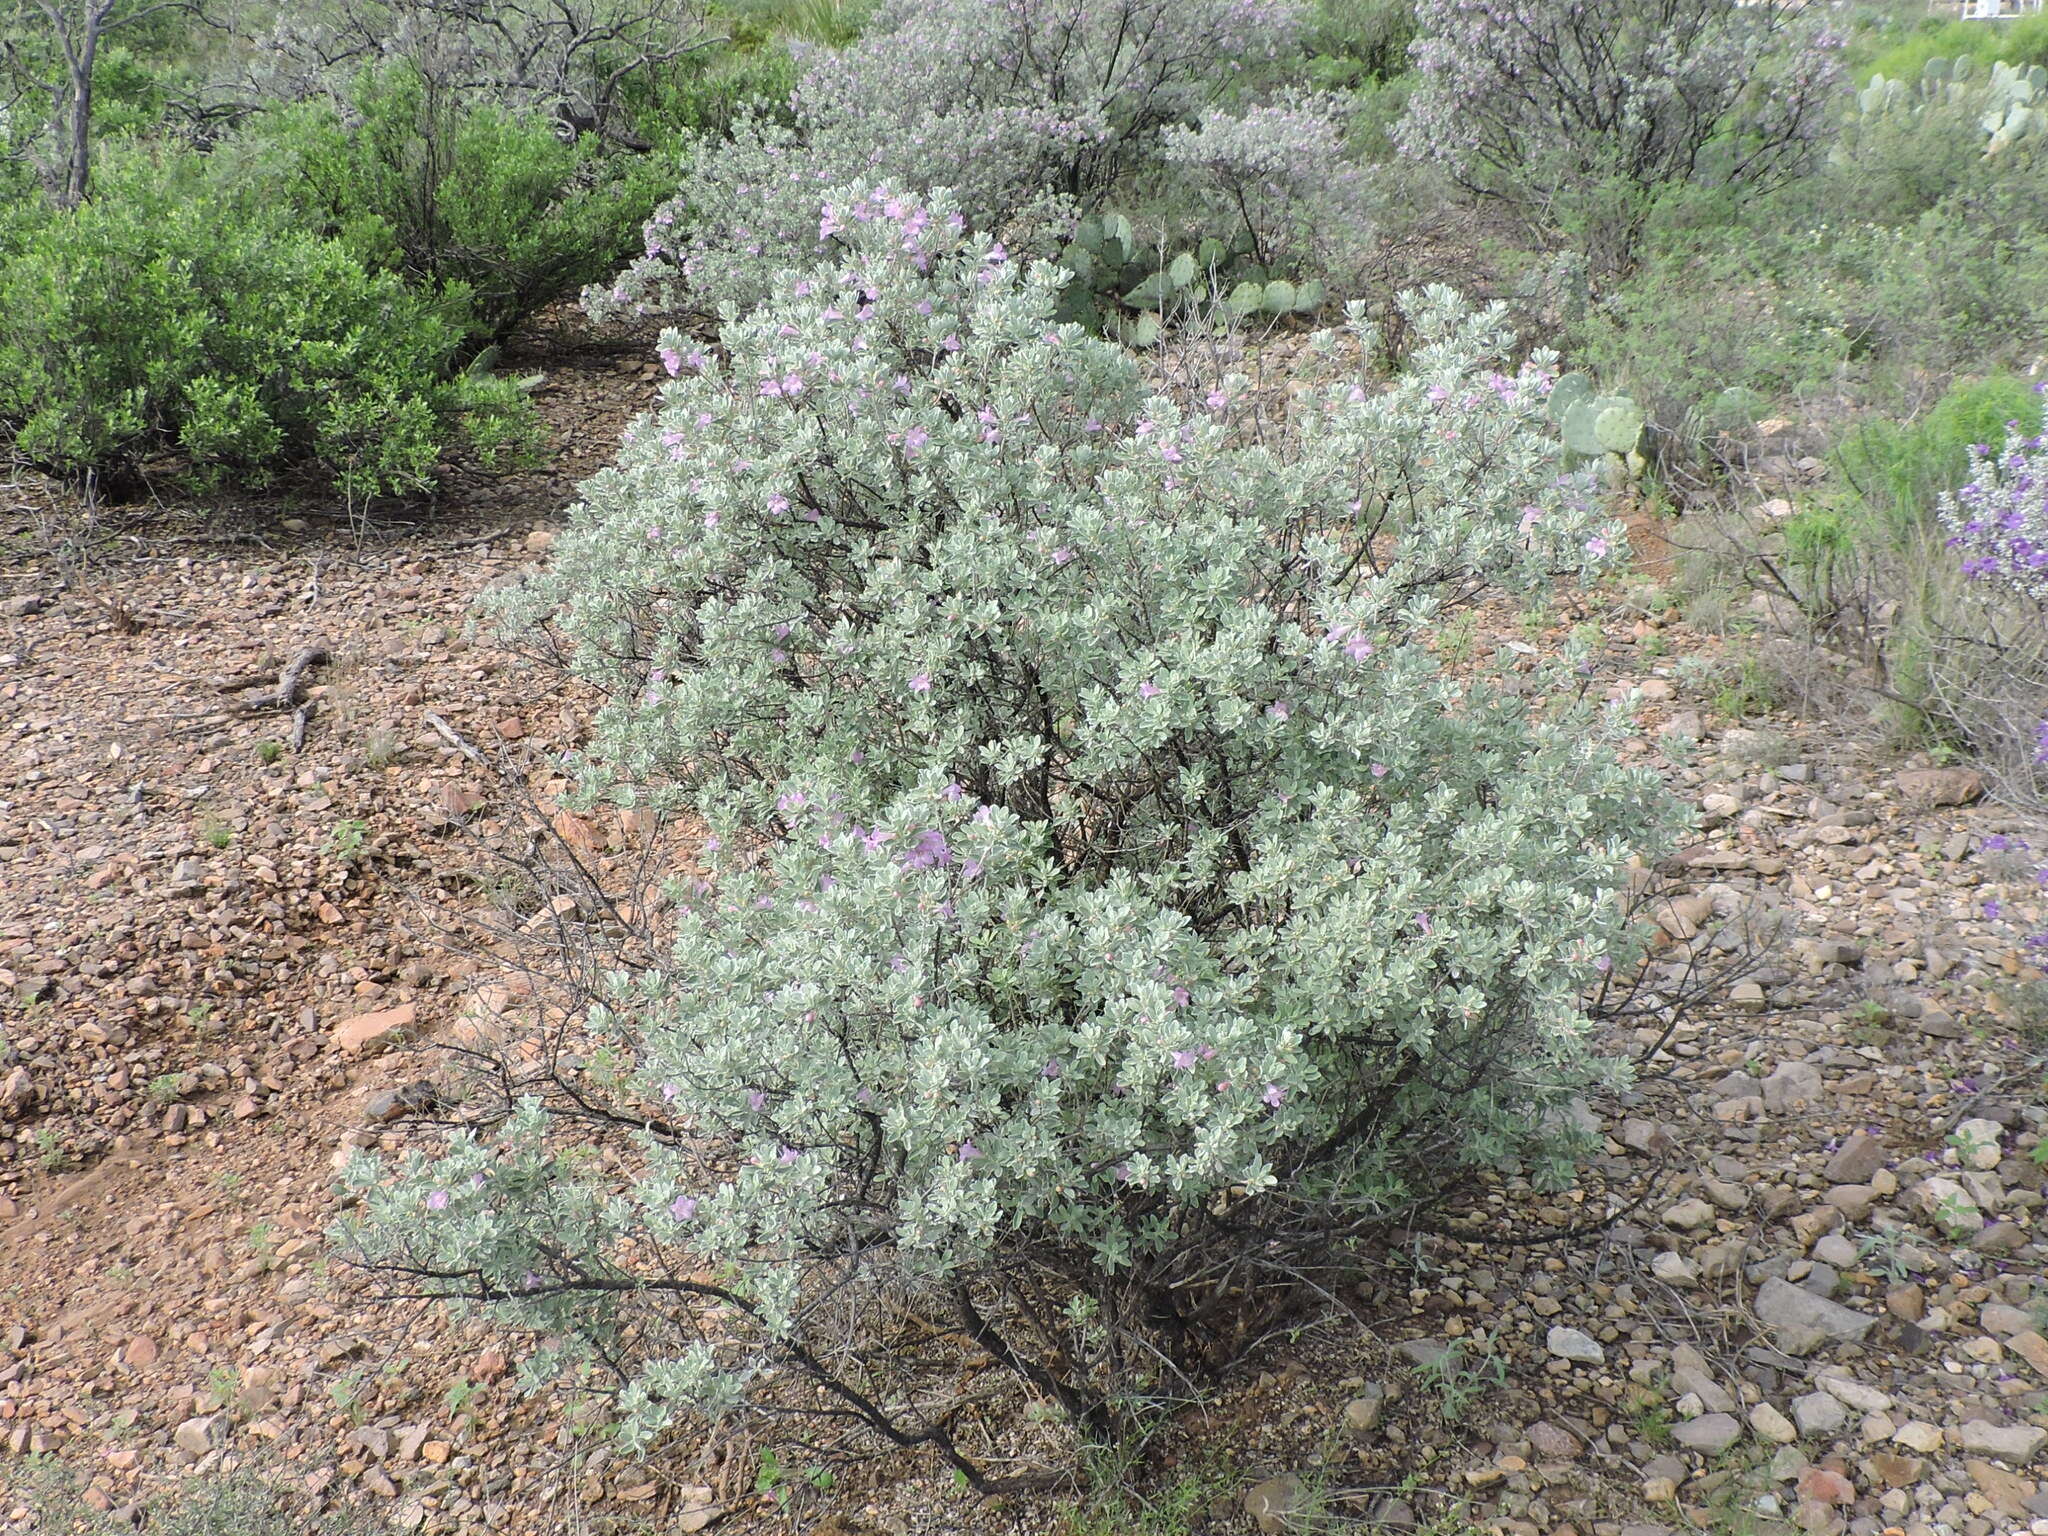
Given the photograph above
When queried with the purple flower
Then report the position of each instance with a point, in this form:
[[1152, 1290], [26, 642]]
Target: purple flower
[[1274, 1096], [684, 1208], [929, 851], [1149, 689], [921, 683], [1596, 547], [969, 1152], [438, 1200], [788, 1156], [1184, 1061], [756, 1100], [1051, 1069]]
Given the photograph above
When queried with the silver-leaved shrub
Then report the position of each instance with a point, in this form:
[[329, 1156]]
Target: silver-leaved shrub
[[1580, 113], [1027, 110], [1107, 904]]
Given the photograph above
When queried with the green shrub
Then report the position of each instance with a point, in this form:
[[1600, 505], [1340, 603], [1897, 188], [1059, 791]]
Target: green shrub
[[1900, 469], [1114, 904], [459, 195], [1352, 44], [162, 318]]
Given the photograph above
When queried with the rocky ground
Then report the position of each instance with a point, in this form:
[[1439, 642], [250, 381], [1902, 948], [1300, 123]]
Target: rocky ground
[[1806, 1287]]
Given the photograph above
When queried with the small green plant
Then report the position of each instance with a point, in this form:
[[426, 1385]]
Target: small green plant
[[1455, 641], [166, 1089], [269, 751], [1968, 1145], [1460, 1376], [1695, 674], [1870, 1022], [1956, 1216], [459, 1396], [347, 1394], [199, 1017], [222, 1385], [1652, 1424], [382, 748], [345, 842], [1753, 691], [50, 1152], [262, 1239], [215, 833], [1883, 1252], [1651, 645], [770, 1479], [227, 1181]]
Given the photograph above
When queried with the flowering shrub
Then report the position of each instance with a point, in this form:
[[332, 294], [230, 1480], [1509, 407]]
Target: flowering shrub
[[1108, 902], [1281, 173], [1987, 662], [1579, 111], [1998, 522], [1025, 109]]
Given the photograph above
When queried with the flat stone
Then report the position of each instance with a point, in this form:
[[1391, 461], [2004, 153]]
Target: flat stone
[[1826, 1486], [1861, 1396], [1689, 1215], [1276, 1505], [198, 1437], [1978, 1143], [1941, 786], [1798, 1316], [2008, 1492], [367, 1033], [1793, 1086], [1362, 1413], [1819, 1414], [1836, 1250], [1771, 1426], [2033, 1349], [1422, 1351], [1852, 1200], [1553, 1443], [1710, 1434], [1996, 1317], [2008, 1442], [1571, 1344], [1674, 1269], [1856, 1160], [1738, 1086], [1646, 1136], [1918, 1435]]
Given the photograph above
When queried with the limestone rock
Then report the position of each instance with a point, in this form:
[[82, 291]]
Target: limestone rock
[[1571, 1344], [1710, 1434], [1798, 1317]]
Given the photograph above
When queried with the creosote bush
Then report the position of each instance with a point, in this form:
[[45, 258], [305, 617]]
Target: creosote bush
[[1109, 909], [166, 319]]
